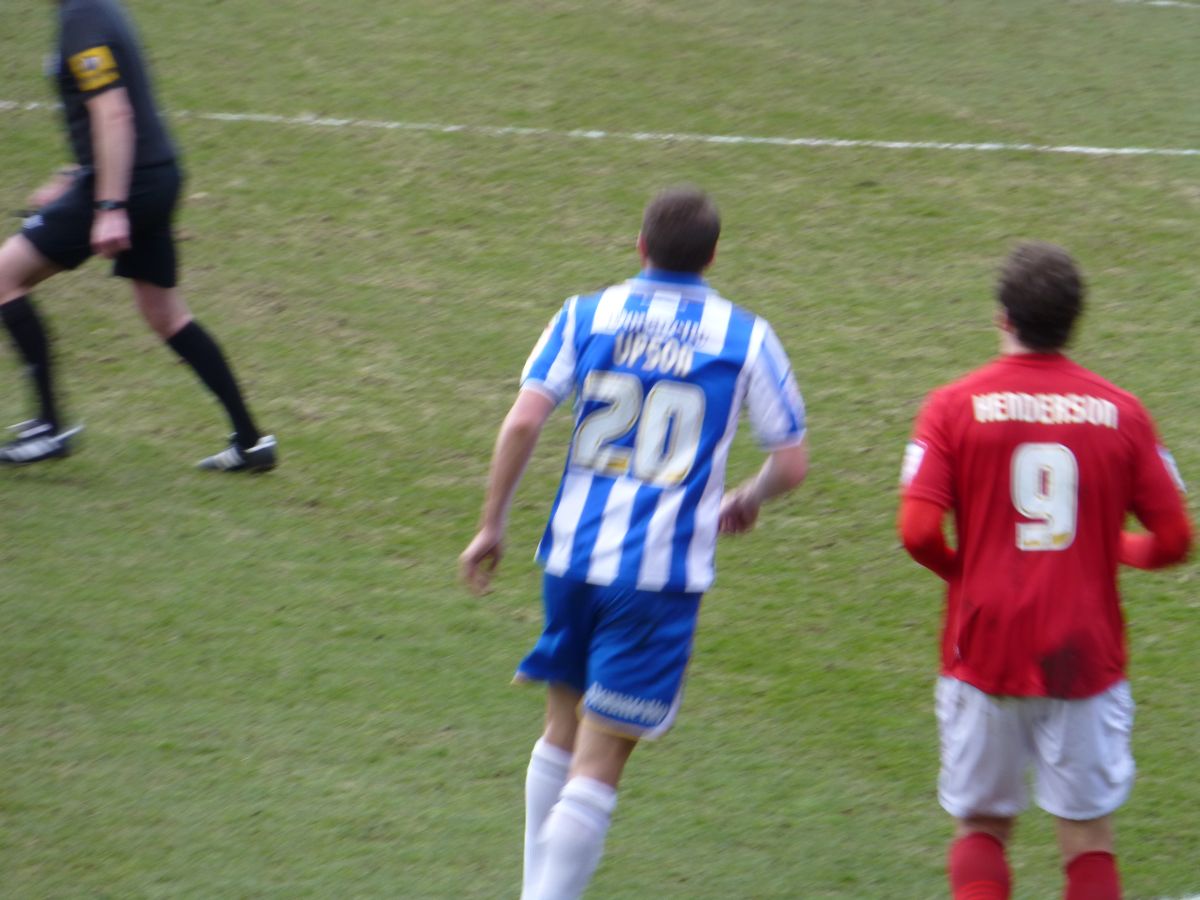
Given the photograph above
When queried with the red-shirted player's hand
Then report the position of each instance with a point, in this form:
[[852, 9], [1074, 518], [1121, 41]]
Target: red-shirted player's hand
[[478, 563], [738, 513], [1168, 543], [110, 233]]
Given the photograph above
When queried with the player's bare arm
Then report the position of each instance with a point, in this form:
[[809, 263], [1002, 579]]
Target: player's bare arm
[[113, 140], [782, 471], [514, 446]]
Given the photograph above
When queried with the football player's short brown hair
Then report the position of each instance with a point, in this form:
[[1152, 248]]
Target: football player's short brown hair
[[1042, 292], [680, 230]]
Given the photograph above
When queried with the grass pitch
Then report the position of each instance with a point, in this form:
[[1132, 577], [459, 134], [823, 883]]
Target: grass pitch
[[273, 687]]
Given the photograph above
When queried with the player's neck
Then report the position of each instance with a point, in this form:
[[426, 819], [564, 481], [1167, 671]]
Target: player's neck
[[1011, 346]]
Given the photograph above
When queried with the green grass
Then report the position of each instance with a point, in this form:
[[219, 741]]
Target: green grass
[[274, 687]]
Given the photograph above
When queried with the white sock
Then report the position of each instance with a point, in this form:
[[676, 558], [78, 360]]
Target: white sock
[[544, 780], [572, 840]]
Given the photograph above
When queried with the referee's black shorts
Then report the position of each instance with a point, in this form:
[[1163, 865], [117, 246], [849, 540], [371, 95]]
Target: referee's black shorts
[[62, 231]]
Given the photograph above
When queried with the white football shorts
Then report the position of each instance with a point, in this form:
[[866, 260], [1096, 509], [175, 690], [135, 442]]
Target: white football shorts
[[1079, 751]]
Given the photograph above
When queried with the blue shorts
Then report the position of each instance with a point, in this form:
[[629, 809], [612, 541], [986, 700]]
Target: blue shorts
[[625, 650]]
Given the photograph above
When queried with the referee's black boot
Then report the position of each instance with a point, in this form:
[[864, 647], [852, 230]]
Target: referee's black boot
[[37, 440], [235, 458]]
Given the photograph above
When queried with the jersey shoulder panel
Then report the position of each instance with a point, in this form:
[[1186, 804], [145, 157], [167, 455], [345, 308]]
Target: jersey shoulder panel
[[586, 306], [1100, 384], [940, 401], [739, 315], [86, 22], [970, 381]]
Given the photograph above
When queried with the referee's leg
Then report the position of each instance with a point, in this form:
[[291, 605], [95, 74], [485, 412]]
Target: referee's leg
[[151, 264], [22, 267], [168, 316]]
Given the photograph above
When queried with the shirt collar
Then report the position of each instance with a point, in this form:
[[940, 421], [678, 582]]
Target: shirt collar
[[1035, 359], [666, 276]]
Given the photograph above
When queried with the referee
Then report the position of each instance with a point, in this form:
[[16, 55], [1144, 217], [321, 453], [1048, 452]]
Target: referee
[[117, 201]]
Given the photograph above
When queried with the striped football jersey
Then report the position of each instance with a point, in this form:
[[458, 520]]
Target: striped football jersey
[[661, 367]]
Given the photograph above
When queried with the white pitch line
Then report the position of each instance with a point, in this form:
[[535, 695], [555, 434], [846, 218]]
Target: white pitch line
[[656, 137], [1182, 4]]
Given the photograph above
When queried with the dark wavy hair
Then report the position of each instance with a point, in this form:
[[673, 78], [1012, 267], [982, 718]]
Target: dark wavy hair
[[680, 229], [1042, 292]]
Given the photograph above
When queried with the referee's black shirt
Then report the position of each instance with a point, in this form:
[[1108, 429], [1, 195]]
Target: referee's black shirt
[[98, 50]]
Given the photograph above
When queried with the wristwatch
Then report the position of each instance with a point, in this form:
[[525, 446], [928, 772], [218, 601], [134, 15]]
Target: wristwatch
[[108, 205]]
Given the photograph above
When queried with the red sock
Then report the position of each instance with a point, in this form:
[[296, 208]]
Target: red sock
[[977, 868], [1093, 876]]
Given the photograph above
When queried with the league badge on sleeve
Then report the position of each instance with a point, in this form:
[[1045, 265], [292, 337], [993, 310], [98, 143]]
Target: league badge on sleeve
[[1172, 468], [914, 453], [94, 68]]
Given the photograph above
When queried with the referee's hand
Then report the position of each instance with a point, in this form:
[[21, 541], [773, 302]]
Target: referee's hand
[[110, 233]]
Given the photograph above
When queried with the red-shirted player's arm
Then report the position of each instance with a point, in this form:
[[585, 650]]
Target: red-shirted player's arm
[[1168, 542], [1158, 503], [920, 527]]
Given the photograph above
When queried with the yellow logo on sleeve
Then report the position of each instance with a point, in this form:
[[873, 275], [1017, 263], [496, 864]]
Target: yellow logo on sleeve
[[94, 68]]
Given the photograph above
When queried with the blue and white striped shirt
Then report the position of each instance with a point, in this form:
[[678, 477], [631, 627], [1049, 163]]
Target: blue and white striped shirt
[[661, 366]]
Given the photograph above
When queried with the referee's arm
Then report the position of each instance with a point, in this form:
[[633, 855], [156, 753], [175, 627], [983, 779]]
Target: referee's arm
[[114, 139]]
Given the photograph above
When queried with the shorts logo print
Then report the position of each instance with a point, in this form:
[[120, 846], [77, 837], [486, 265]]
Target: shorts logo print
[[623, 706]]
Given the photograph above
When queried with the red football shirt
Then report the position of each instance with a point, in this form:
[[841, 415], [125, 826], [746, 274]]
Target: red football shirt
[[1040, 460]]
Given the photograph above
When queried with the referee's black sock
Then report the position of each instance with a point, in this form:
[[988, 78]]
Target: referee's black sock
[[202, 353], [29, 336]]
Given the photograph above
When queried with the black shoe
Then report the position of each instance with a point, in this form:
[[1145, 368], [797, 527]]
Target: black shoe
[[234, 458], [37, 440]]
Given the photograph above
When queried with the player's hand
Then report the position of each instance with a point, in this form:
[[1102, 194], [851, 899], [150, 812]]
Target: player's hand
[[110, 233], [739, 512], [478, 563]]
